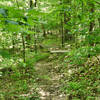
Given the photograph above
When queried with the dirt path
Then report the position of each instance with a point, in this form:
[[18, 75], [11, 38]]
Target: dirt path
[[48, 81]]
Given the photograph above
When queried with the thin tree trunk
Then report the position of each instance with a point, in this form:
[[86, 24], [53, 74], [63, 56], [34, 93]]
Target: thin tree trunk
[[65, 30], [13, 43], [62, 31], [31, 4], [66, 20], [35, 44], [44, 32], [62, 27], [35, 41], [35, 4], [23, 43], [70, 97], [92, 20], [99, 21]]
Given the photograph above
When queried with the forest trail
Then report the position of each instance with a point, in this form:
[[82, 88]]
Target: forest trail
[[49, 80]]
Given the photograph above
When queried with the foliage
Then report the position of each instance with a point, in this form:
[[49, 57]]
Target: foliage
[[29, 28]]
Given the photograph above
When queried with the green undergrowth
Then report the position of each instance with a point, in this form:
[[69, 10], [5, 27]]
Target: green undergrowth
[[16, 85], [5, 53], [79, 56], [82, 68], [17, 76], [55, 41], [40, 56]]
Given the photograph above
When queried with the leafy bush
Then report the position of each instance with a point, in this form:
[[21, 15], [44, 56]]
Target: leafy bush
[[79, 56], [85, 79]]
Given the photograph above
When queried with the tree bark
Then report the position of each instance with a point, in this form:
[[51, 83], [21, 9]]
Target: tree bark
[[99, 21], [92, 20], [66, 35], [13, 43], [35, 43], [66, 20], [31, 4], [62, 31], [62, 25], [35, 4], [23, 43], [44, 32]]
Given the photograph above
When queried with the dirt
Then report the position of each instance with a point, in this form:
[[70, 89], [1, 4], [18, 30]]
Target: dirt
[[49, 81]]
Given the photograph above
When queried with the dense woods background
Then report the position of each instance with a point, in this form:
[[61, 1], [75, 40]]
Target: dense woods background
[[49, 50]]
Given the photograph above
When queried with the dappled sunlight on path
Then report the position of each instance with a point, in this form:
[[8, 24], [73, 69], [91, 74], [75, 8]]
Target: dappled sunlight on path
[[48, 81]]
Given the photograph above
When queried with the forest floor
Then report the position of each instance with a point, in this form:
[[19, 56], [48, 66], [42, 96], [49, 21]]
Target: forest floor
[[49, 80]]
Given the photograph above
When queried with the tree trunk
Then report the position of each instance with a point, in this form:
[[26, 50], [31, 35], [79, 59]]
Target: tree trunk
[[35, 44], [35, 41], [23, 43], [44, 32], [99, 22], [62, 26], [70, 97], [35, 4], [66, 35], [62, 31], [92, 20], [13, 43], [66, 20], [31, 4]]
